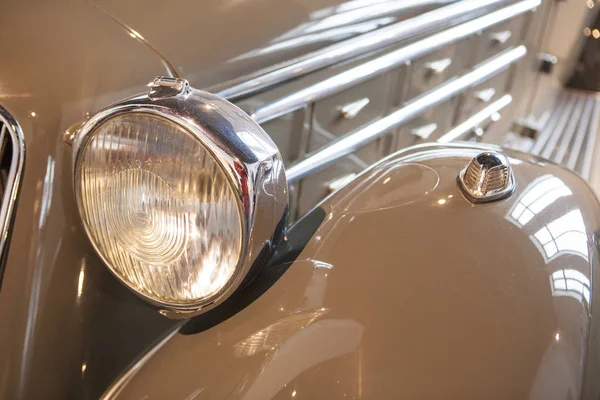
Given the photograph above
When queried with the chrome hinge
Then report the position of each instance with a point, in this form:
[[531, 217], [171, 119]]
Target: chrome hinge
[[438, 67], [501, 37], [351, 110], [485, 95], [424, 131]]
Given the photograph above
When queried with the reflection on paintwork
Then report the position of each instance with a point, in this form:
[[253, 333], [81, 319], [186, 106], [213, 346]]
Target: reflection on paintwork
[[571, 283], [47, 192], [274, 335], [321, 264], [564, 235], [339, 22], [541, 193], [321, 341], [412, 181], [332, 17], [329, 35], [81, 279]]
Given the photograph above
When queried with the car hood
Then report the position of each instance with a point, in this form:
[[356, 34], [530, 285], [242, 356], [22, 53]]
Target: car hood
[[218, 40], [398, 287]]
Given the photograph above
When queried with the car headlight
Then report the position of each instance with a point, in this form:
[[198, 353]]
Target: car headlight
[[180, 193]]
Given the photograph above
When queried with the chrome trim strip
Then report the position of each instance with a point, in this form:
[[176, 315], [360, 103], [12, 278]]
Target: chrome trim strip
[[548, 127], [567, 134], [581, 133], [387, 62], [265, 78], [591, 141], [370, 132], [559, 128], [15, 174], [476, 119]]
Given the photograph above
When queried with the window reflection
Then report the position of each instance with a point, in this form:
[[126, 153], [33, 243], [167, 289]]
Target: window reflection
[[278, 333], [571, 283], [540, 194], [564, 235]]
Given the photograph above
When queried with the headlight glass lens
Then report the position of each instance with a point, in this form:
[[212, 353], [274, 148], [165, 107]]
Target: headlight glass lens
[[159, 209]]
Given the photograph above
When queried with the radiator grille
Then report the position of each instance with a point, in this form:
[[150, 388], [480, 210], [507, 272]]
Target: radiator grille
[[12, 157], [568, 133]]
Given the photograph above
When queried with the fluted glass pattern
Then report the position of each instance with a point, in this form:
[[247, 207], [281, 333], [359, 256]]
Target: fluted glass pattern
[[159, 209]]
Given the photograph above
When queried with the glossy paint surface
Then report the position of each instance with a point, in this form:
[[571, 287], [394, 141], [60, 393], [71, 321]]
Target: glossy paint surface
[[68, 328], [408, 290], [352, 309], [222, 39]]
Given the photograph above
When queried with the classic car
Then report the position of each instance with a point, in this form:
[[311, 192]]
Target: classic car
[[308, 199]]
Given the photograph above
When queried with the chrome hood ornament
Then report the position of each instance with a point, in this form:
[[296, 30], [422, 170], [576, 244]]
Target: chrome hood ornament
[[487, 177]]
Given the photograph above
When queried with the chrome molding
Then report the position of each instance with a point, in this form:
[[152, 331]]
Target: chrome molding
[[268, 77], [477, 119], [370, 132], [387, 62], [10, 127]]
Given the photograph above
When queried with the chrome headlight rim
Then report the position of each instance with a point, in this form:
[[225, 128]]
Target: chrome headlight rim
[[174, 108]]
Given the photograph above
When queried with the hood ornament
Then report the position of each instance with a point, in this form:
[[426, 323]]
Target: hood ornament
[[488, 177]]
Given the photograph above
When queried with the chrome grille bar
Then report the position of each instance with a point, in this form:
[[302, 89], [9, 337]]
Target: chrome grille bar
[[476, 119], [387, 62], [372, 131], [347, 49]]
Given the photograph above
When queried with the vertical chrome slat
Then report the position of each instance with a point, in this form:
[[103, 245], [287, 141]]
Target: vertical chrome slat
[[581, 133], [591, 141], [559, 128], [548, 126], [567, 136]]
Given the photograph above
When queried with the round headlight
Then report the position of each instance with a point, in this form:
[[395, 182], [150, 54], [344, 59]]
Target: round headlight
[[179, 192]]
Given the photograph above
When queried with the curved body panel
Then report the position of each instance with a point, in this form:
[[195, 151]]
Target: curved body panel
[[405, 289], [394, 287], [63, 315]]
